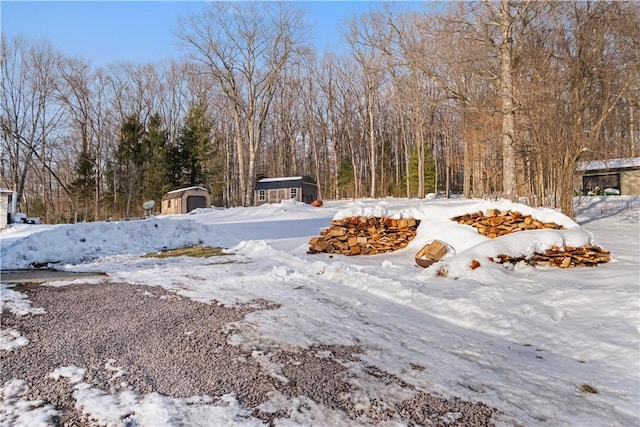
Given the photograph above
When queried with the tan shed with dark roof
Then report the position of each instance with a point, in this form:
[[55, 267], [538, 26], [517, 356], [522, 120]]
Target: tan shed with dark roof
[[611, 176], [184, 200]]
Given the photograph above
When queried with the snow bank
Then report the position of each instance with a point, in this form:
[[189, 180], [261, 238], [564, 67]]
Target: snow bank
[[84, 242]]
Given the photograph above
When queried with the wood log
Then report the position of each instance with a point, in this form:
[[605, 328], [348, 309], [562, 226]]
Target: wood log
[[567, 257], [496, 223], [337, 231], [318, 244], [364, 235], [314, 240]]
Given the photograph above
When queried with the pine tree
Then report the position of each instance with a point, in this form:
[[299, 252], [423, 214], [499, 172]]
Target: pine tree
[[155, 143], [346, 180], [429, 172], [84, 184], [131, 156], [186, 161]]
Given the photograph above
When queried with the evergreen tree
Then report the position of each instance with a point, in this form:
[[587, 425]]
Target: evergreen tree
[[155, 143], [346, 181], [215, 170], [84, 184], [131, 157], [186, 160], [429, 172]]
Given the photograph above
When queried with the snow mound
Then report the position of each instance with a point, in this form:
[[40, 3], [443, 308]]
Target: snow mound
[[84, 242]]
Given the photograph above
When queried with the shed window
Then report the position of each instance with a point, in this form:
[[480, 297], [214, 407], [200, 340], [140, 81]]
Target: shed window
[[262, 195], [168, 203], [294, 193]]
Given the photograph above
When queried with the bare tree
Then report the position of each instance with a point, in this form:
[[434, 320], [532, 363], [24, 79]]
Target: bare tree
[[506, 95], [28, 116], [246, 47], [494, 30], [598, 72], [367, 42], [87, 97], [346, 98], [325, 114]]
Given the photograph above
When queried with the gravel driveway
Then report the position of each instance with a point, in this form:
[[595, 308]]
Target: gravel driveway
[[171, 345]]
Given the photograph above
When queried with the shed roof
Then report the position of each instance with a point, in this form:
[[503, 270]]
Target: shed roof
[[610, 164], [284, 182], [176, 194]]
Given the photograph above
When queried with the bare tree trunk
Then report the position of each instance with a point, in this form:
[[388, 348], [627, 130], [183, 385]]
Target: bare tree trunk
[[251, 166], [372, 140], [354, 164], [447, 162], [632, 128], [421, 151], [407, 155], [509, 183], [468, 165]]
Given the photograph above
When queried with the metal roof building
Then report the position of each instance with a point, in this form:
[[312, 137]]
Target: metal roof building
[[621, 174], [274, 190]]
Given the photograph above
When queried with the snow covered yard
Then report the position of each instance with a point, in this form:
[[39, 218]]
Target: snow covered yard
[[542, 346]]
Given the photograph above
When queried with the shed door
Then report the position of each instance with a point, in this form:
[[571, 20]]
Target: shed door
[[590, 182], [194, 202]]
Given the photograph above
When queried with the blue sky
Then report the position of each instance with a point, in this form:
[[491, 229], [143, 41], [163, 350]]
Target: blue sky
[[104, 32]]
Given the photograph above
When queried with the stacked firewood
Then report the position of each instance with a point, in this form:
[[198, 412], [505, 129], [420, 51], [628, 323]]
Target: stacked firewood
[[569, 257], [496, 223], [364, 235]]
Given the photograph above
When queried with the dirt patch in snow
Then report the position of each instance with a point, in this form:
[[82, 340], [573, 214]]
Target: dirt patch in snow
[[147, 339]]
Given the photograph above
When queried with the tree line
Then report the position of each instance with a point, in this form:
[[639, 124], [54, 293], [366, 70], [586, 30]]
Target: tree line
[[483, 99]]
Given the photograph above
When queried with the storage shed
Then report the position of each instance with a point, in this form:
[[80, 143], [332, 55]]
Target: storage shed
[[184, 200], [274, 190], [7, 206], [622, 175]]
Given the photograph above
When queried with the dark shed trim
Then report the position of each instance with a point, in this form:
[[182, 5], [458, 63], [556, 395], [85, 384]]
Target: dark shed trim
[[177, 194], [285, 182]]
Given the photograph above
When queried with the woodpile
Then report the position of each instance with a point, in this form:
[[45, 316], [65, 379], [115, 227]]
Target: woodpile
[[364, 235], [496, 223], [569, 257]]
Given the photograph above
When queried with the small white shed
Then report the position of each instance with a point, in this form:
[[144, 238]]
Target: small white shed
[[7, 206]]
